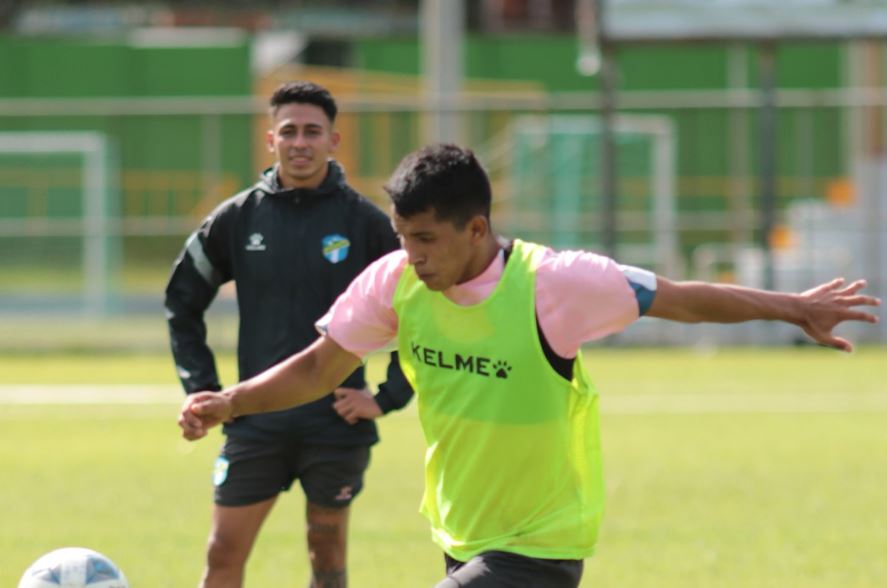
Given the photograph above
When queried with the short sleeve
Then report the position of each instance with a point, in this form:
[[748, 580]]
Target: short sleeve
[[582, 296], [362, 319]]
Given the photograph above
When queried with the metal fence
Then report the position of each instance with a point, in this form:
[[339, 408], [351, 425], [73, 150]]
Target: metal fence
[[830, 162]]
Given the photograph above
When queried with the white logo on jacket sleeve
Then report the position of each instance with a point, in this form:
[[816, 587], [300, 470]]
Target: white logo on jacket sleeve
[[256, 242], [335, 247]]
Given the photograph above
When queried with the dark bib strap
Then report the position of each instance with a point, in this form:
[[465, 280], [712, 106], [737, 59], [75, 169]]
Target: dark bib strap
[[562, 365]]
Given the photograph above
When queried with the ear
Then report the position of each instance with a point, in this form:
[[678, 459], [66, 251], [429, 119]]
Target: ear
[[269, 140], [478, 227], [335, 137]]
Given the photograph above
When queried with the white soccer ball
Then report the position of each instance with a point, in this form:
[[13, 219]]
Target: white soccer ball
[[73, 567]]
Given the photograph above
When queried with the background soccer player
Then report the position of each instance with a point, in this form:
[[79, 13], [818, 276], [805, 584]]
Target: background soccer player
[[291, 244]]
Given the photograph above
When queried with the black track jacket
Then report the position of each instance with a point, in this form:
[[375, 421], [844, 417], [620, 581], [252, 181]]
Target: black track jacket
[[290, 253]]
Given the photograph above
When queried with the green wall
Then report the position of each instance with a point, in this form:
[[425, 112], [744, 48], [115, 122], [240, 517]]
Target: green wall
[[550, 60], [161, 157], [704, 141], [78, 68], [50, 67]]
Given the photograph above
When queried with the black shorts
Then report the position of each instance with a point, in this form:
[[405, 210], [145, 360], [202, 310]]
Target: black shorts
[[499, 569], [249, 471]]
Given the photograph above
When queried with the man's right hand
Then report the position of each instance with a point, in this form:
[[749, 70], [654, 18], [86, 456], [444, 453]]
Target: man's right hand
[[201, 411], [354, 404]]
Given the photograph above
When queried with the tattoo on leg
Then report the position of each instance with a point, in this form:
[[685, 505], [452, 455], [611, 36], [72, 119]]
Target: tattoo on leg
[[327, 531], [329, 579]]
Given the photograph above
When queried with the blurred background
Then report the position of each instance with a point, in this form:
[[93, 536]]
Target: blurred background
[[731, 140]]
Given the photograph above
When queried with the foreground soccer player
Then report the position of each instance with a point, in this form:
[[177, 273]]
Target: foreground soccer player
[[489, 334]]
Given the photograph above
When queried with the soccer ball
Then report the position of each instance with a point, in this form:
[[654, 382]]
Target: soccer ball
[[73, 567]]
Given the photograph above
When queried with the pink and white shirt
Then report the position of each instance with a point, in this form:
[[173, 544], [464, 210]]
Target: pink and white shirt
[[580, 296]]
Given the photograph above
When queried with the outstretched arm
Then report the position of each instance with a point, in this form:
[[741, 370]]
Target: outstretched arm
[[817, 311], [305, 376]]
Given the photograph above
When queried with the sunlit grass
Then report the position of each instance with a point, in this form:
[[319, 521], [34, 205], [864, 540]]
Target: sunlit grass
[[726, 499]]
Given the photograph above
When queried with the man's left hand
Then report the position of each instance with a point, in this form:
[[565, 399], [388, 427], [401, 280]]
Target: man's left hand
[[828, 305]]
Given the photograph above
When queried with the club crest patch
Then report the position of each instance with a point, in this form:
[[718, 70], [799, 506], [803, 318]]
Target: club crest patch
[[335, 247], [256, 242], [220, 471]]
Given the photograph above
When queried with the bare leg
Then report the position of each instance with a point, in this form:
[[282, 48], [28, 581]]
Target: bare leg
[[231, 539], [327, 541]]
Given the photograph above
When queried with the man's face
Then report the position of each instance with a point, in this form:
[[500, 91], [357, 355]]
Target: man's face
[[441, 254], [302, 138]]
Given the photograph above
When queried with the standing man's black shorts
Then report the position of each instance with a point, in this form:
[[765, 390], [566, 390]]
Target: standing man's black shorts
[[499, 569], [249, 471]]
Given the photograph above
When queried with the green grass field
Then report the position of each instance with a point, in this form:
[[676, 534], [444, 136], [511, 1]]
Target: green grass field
[[746, 468]]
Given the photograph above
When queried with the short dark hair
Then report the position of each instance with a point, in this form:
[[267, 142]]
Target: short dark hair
[[302, 92], [445, 178]]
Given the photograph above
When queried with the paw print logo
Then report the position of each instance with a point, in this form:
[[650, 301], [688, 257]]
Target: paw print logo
[[501, 368]]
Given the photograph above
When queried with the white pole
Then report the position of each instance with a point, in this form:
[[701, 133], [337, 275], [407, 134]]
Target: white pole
[[95, 227], [664, 206], [443, 25]]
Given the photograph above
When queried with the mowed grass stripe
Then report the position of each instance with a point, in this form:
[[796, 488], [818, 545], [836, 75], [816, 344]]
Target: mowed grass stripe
[[83, 394], [666, 403], [758, 403]]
